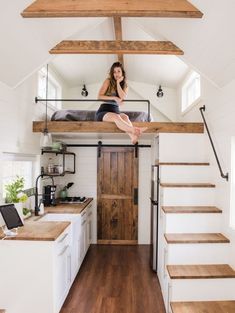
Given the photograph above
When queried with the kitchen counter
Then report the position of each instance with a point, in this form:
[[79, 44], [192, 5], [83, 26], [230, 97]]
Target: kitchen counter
[[39, 231], [35, 230], [70, 208]]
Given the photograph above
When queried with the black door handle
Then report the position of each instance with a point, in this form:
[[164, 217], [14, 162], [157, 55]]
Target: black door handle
[[135, 195]]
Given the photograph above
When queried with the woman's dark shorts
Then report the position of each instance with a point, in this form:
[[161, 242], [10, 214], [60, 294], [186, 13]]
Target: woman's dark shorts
[[105, 108]]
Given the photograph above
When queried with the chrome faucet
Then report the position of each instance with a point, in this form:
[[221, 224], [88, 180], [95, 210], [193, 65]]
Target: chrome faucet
[[37, 206]]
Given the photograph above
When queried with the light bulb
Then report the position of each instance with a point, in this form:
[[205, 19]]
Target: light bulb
[[45, 140]]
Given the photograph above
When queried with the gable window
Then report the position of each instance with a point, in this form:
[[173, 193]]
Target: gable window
[[191, 91], [232, 186], [54, 88]]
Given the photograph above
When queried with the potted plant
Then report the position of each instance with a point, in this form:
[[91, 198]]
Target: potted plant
[[15, 194]]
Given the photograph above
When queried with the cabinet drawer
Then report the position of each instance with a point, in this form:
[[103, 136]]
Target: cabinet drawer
[[64, 240]]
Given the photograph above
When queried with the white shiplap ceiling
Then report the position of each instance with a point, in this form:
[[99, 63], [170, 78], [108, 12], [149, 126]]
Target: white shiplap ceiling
[[208, 44]]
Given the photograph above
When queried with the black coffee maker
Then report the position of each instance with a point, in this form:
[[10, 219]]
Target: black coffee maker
[[49, 195]]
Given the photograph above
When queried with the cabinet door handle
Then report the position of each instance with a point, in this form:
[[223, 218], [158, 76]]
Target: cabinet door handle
[[62, 239], [83, 222], [135, 198], [63, 252]]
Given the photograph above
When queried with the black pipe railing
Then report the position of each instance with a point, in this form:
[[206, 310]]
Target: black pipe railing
[[225, 176], [93, 100]]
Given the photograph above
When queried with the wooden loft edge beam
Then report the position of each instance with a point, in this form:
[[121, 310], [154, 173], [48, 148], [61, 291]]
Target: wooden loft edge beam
[[116, 47], [107, 8], [108, 127]]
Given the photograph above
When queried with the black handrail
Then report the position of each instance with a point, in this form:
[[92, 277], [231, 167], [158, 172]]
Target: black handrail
[[93, 100], [203, 108]]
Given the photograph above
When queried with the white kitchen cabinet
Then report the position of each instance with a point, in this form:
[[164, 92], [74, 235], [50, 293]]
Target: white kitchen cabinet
[[40, 273], [83, 235], [35, 275], [63, 269], [89, 224]]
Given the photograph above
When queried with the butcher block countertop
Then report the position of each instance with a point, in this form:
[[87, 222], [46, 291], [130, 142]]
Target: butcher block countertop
[[35, 230], [69, 208], [39, 231]]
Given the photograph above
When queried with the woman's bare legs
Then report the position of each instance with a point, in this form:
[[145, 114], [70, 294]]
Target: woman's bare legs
[[122, 121]]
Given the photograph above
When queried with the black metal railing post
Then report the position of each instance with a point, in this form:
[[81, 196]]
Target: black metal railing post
[[225, 176]]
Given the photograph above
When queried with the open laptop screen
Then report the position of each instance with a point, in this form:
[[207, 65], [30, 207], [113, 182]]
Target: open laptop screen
[[10, 216]]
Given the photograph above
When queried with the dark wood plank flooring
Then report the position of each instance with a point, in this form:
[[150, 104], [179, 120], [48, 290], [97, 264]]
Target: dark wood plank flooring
[[115, 279]]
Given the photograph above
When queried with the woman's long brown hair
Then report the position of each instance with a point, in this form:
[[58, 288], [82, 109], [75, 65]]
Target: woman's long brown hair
[[112, 82]]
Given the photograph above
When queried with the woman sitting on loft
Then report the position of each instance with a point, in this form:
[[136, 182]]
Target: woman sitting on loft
[[114, 91]]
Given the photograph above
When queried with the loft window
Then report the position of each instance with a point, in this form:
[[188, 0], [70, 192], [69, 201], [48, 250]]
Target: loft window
[[232, 186], [54, 88], [191, 91]]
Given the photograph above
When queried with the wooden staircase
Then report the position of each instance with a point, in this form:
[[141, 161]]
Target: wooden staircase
[[193, 266], [203, 307]]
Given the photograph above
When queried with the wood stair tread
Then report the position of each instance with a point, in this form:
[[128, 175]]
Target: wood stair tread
[[200, 271], [183, 163], [203, 307], [187, 185], [196, 238], [191, 209]]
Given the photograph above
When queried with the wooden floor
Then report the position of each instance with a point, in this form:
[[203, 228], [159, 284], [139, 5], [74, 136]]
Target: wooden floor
[[115, 279]]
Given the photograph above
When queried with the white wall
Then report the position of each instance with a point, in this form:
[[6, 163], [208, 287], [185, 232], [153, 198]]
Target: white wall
[[17, 111], [220, 112]]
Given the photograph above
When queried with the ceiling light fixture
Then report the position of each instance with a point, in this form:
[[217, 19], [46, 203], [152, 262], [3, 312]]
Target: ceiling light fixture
[[160, 93], [84, 92], [46, 138]]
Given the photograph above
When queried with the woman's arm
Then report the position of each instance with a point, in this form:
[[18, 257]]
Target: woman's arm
[[103, 89], [122, 93]]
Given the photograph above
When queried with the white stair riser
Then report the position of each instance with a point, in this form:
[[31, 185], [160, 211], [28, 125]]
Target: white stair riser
[[182, 148], [187, 196], [191, 223], [201, 253], [185, 174], [202, 289]]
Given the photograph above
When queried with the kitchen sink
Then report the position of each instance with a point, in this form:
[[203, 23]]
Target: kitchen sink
[[58, 217]]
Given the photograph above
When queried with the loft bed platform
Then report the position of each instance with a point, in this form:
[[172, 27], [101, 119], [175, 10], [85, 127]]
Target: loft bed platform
[[108, 127]]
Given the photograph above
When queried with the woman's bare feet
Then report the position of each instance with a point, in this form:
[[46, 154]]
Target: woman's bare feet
[[140, 130], [135, 134]]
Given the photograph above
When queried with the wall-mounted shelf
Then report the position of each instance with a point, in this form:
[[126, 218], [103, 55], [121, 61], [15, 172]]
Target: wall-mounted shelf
[[63, 153]]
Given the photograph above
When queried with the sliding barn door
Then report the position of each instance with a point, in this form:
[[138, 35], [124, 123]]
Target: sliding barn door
[[117, 196]]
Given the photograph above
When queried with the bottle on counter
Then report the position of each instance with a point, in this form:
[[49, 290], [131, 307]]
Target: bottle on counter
[[41, 207]]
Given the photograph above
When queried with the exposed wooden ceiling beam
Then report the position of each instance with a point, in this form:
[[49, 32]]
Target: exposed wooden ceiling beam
[[118, 34], [116, 47], [94, 8]]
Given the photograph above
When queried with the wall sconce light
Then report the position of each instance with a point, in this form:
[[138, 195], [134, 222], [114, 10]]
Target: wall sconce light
[[84, 92], [160, 93]]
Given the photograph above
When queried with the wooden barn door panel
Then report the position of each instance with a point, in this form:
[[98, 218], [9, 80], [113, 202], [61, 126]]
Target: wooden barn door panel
[[117, 181]]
